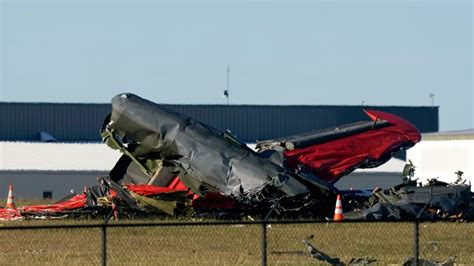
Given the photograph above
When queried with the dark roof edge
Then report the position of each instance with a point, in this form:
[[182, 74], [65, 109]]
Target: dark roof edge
[[51, 103], [235, 105], [11, 171]]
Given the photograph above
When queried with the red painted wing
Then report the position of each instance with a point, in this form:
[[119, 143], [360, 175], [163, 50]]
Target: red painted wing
[[337, 157]]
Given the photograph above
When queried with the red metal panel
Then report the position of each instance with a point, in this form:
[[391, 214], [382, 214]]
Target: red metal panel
[[335, 158]]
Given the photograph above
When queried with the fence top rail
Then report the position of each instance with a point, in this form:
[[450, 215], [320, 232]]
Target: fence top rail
[[199, 223]]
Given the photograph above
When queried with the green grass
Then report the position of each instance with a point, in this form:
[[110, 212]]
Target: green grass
[[389, 243]]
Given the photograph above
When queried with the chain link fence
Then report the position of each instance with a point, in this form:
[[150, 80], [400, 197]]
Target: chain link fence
[[231, 243]]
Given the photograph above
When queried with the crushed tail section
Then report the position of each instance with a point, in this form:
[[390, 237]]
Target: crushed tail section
[[346, 148]]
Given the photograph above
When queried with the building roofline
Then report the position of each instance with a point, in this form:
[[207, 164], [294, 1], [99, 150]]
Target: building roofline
[[464, 134], [231, 105]]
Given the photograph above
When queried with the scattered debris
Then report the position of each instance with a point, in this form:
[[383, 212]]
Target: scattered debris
[[435, 200], [285, 177], [321, 256], [422, 262], [173, 165], [10, 215], [361, 261]]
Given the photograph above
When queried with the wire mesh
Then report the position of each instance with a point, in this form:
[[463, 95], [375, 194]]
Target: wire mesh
[[233, 243], [443, 241], [50, 246], [388, 243], [180, 245]]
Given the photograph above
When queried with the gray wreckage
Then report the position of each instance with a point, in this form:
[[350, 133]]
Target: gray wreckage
[[159, 144], [407, 201], [286, 176], [174, 165]]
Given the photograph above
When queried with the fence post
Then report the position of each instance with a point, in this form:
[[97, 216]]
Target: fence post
[[416, 241], [104, 244], [264, 244], [104, 237]]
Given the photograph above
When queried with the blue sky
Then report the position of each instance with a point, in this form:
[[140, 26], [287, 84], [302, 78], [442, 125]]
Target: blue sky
[[280, 52]]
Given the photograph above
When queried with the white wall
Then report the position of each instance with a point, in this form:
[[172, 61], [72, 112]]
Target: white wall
[[441, 158], [36, 156], [369, 180], [31, 184]]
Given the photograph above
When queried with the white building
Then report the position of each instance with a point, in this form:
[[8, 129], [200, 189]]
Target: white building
[[385, 176], [37, 169], [441, 154]]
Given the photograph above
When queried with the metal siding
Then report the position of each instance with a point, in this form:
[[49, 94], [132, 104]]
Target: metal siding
[[82, 122], [66, 122]]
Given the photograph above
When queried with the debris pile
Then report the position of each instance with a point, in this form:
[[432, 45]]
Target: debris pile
[[423, 262], [412, 200], [174, 165], [285, 177]]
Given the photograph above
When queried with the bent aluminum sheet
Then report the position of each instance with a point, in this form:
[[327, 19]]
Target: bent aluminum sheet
[[208, 160]]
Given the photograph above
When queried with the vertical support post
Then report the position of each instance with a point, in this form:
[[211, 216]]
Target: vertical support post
[[104, 244], [416, 240], [104, 237], [264, 244]]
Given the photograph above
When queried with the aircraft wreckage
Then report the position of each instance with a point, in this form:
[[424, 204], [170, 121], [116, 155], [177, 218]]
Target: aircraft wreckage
[[172, 164]]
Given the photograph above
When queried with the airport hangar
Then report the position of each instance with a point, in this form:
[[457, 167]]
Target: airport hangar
[[441, 154], [47, 149]]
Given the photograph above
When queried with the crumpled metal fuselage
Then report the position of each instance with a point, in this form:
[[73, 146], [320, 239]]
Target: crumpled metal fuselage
[[205, 159], [287, 175]]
